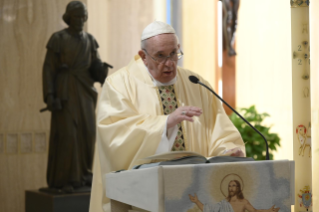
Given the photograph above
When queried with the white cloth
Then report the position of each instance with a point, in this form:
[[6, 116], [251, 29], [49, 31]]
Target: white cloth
[[222, 206], [168, 139], [157, 28]]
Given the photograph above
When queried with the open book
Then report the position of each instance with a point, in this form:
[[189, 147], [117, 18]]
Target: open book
[[187, 157]]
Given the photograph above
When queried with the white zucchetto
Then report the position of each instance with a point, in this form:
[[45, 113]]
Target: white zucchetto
[[156, 28]]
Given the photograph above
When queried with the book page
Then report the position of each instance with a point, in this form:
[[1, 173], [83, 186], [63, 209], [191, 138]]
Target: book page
[[179, 154], [172, 155]]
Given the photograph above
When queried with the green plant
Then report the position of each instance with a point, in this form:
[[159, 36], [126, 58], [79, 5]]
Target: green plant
[[255, 144]]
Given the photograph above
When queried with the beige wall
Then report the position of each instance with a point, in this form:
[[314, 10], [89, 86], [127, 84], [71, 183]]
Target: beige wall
[[117, 26], [264, 65], [199, 37], [25, 27], [314, 85]]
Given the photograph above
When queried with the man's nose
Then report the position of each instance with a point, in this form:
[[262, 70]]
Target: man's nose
[[168, 62]]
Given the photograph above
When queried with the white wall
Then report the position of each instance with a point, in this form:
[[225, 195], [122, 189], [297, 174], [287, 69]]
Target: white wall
[[199, 37], [264, 65]]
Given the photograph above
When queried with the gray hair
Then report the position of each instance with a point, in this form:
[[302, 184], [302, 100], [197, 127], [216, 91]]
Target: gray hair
[[144, 42]]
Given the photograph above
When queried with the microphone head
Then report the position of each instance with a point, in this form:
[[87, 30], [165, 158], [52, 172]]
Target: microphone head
[[193, 79]]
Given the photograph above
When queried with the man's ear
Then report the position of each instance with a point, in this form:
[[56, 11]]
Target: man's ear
[[142, 54]]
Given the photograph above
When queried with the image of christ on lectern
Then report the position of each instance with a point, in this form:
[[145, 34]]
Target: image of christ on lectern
[[229, 187], [234, 198]]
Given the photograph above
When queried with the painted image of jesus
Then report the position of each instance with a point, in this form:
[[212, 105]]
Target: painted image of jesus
[[234, 201]]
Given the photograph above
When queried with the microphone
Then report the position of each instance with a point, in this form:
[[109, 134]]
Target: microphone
[[195, 80]]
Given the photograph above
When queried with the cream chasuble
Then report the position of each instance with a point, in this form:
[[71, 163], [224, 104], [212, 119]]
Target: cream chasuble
[[130, 123]]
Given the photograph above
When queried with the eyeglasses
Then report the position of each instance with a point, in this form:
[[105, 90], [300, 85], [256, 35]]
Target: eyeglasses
[[174, 56]]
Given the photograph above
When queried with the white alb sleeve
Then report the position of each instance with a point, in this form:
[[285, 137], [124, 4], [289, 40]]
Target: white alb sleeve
[[167, 140]]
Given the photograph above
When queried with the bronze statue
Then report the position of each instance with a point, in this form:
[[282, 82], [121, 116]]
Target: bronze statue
[[230, 14], [72, 65]]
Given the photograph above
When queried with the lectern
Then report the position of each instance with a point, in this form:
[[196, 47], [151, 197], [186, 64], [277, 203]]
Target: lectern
[[262, 184]]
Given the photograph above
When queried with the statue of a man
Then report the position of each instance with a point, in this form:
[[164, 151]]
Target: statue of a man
[[69, 93]]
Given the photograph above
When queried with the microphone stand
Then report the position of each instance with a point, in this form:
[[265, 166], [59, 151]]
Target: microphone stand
[[267, 150]]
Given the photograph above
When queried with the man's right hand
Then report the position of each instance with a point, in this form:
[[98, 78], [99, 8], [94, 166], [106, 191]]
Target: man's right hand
[[184, 113]]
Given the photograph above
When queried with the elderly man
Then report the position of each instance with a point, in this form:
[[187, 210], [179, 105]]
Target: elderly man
[[150, 107]]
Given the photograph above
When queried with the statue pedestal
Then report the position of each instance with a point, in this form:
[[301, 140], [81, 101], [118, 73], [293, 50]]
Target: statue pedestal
[[36, 201]]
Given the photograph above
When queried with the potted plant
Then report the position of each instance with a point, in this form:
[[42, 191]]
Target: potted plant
[[254, 143]]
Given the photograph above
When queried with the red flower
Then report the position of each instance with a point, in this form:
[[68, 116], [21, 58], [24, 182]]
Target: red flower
[[177, 145], [167, 91], [169, 99]]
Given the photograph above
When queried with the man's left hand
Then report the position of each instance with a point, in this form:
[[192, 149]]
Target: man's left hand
[[235, 152], [238, 153]]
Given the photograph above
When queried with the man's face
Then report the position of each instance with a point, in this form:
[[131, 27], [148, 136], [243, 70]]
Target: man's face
[[161, 46], [78, 18], [232, 188]]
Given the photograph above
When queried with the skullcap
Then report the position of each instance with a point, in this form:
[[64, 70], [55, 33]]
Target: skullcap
[[156, 28]]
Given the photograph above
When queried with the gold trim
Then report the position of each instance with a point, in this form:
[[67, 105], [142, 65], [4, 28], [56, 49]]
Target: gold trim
[[47, 141], [18, 134], [6, 143], [20, 142], [299, 3], [182, 123]]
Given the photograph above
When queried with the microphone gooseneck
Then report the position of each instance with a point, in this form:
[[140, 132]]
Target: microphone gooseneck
[[195, 80]]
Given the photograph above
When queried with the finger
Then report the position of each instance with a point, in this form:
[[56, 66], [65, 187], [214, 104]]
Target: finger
[[194, 110], [190, 108], [191, 113], [187, 118]]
